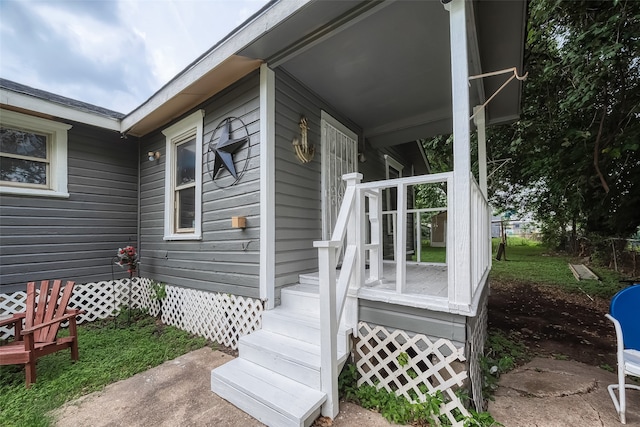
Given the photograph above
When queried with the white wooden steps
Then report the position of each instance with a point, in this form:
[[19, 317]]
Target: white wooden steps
[[276, 377]]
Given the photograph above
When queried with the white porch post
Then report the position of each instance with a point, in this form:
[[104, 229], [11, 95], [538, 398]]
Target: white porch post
[[480, 122], [459, 226], [267, 185]]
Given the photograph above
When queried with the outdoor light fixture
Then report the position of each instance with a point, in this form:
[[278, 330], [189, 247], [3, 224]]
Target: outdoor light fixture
[[153, 155]]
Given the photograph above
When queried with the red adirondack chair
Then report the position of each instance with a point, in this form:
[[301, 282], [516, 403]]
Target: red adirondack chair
[[42, 320]]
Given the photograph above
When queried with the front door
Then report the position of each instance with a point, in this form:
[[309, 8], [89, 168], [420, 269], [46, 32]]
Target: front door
[[339, 157]]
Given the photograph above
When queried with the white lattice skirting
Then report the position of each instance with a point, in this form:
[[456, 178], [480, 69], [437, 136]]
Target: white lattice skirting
[[410, 365], [476, 351], [218, 317]]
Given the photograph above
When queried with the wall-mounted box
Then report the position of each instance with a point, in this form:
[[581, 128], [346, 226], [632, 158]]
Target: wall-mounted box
[[238, 222]]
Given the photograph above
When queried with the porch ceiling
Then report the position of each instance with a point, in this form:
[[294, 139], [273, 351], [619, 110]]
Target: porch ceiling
[[386, 65]]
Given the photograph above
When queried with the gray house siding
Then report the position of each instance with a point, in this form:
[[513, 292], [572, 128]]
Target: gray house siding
[[434, 324], [298, 186], [75, 238], [226, 259]]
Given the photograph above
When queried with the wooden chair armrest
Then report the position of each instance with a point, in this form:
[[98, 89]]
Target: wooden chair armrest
[[51, 322], [12, 319]]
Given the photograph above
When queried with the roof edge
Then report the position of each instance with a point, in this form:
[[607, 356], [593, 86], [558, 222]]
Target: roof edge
[[267, 18], [13, 100]]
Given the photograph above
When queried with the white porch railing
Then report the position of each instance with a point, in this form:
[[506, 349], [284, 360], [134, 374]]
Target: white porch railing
[[339, 291], [371, 190], [480, 238]]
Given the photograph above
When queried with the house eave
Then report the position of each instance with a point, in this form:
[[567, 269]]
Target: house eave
[[33, 105], [190, 87], [189, 92]]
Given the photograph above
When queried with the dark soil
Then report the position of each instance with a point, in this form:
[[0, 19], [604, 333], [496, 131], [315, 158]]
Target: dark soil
[[552, 322]]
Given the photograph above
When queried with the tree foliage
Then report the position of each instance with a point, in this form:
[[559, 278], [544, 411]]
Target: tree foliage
[[575, 153]]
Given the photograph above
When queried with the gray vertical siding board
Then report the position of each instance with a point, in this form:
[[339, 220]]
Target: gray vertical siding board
[[74, 238], [226, 259]]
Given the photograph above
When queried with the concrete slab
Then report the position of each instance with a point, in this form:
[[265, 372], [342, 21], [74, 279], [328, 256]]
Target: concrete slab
[[543, 393], [177, 393], [550, 393]]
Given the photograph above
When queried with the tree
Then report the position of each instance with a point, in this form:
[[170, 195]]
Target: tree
[[576, 148]]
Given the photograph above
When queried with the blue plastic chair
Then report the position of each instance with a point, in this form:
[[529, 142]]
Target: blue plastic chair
[[625, 315]]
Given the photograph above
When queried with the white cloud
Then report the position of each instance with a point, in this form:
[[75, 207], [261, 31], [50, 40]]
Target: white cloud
[[111, 54]]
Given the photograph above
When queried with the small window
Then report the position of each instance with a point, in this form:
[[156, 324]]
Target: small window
[[33, 155], [393, 170], [183, 178]]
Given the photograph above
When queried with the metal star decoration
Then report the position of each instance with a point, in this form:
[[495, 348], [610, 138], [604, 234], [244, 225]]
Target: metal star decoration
[[224, 150]]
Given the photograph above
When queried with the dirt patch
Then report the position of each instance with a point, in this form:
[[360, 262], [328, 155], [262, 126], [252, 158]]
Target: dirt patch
[[551, 322]]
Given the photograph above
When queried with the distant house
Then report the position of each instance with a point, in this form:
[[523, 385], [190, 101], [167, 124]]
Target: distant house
[[439, 230], [231, 180]]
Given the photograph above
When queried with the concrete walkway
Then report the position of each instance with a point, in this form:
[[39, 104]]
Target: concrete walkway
[[543, 393], [177, 393], [557, 393]]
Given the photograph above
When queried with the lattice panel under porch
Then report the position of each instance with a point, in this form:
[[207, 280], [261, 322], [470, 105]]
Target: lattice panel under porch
[[15, 302], [222, 318], [476, 351], [428, 366], [99, 300], [219, 317]]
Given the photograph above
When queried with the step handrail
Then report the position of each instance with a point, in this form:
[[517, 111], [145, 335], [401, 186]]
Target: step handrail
[[334, 290]]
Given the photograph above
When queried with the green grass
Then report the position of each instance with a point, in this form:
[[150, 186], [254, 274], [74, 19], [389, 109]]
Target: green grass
[[529, 261], [109, 352], [431, 254]]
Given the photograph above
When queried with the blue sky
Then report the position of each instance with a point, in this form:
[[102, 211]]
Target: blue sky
[[111, 53]]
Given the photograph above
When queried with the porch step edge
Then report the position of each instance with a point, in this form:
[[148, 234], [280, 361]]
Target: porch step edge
[[309, 279], [301, 298], [292, 358], [267, 396], [297, 326]]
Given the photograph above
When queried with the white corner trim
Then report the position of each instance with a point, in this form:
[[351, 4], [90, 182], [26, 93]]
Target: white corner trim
[[267, 185]]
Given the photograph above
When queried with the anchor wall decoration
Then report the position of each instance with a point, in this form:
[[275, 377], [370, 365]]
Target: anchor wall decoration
[[303, 150]]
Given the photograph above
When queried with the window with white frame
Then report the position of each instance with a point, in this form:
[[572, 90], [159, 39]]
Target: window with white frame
[[183, 179], [33, 155], [393, 169]]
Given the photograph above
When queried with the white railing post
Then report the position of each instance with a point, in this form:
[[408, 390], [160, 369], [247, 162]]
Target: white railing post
[[355, 236], [401, 239], [418, 236], [328, 326], [334, 294], [375, 220]]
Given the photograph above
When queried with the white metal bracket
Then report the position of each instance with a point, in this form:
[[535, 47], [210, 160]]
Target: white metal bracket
[[514, 75]]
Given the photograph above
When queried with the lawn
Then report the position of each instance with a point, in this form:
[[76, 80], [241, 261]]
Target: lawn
[[109, 351], [430, 253], [530, 261]]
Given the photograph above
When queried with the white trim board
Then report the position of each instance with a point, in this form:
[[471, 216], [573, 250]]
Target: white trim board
[[267, 185]]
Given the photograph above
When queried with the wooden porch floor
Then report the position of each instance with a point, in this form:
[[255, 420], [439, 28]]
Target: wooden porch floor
[[422, 279], [426, 286]]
